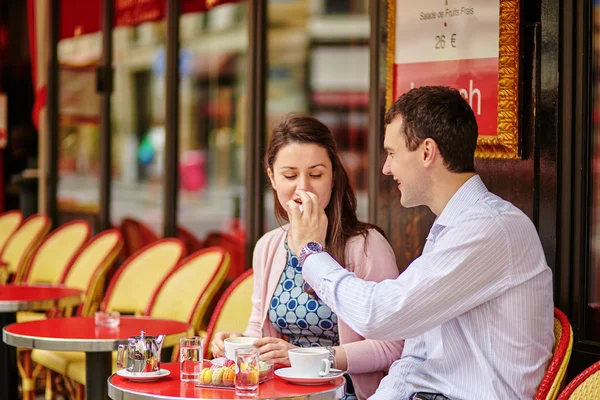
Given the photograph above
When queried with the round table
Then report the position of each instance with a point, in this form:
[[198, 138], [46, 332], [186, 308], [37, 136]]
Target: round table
[[82, 334], [171, 388], [15, 298]]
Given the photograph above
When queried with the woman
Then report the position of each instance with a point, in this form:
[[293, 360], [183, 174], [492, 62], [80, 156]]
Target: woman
[[302, 154]]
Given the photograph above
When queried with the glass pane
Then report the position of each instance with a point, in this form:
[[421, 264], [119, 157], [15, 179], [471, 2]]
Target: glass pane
[[213, 101], [318, 62], [138, 123], [593, 307], [79, 127]]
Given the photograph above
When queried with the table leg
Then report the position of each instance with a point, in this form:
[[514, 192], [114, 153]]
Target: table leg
[[98, 367], [9, 378]]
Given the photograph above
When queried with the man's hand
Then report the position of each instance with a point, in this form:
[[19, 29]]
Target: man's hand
[[308, 225]]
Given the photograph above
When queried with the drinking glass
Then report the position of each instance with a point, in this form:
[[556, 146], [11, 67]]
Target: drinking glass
[[247, 370], [190, 358], [109, 319]]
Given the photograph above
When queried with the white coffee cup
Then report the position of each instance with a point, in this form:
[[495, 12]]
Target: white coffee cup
[[309, 362], [233, 343]]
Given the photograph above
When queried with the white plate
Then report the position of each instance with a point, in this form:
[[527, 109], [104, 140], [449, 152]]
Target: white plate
[[288, 375], [143, 376]]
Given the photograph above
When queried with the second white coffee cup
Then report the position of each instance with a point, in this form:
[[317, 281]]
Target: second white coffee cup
[[309, 362], [233, 343]]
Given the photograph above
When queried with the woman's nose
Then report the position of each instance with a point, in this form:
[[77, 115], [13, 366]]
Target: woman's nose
[[304, 183]]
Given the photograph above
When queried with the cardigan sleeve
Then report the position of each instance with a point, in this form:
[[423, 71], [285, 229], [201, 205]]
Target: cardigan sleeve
[[374, 262], [253, 329]]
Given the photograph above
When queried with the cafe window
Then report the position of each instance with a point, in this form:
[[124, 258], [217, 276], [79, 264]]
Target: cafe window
[[138, 124], [79, 128], [212, 127], [318, 64]]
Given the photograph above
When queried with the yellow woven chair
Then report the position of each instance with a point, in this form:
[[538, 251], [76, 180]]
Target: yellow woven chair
[[585, 386], [198, 277], [9, 223], [50, 261], [23, 243], [184, 296], [129, 292], [554, 378], [47, 265], [233, 309], [89, 268], [87, 272]]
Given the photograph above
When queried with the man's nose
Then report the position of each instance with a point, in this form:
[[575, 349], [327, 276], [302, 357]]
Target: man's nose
[[386, 167]]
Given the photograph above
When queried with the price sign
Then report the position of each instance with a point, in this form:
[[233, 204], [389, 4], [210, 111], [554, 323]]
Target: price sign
[[3, 120], [453, 43]]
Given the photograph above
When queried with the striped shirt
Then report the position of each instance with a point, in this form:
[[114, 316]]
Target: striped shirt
[[476, 308]]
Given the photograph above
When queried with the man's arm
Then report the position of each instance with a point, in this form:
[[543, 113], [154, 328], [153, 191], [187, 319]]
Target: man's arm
[[466, 268]]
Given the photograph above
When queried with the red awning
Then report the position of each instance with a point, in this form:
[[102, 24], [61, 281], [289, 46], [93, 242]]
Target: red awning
[[81, 17]]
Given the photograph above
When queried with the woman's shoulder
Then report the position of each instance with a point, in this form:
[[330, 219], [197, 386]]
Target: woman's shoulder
[[371, 257], [372, 238], [273, 237]]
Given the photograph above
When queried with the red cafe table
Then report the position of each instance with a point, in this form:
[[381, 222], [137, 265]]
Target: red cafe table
[[171, 388], [82, 334], [15, 298]]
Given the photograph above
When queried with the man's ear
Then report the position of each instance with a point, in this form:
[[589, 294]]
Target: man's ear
[[271, 178], [430, 151]]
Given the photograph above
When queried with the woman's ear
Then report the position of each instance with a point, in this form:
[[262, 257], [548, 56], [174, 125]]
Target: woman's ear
[[271, 178]]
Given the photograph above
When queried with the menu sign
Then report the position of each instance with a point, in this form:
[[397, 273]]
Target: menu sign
[[452, 43]]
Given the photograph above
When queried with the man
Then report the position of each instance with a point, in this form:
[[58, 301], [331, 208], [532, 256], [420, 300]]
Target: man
[[476, 308]]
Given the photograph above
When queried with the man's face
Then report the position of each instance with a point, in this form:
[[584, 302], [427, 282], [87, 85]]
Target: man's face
[[405, 166]]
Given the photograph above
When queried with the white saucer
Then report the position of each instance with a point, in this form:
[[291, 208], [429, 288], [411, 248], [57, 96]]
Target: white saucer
[[218, 361], [143, 376], [288, 375]]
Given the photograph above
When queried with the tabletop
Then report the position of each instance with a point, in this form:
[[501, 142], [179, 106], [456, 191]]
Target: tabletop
[[171, 388], [82, 333], [15, 298]]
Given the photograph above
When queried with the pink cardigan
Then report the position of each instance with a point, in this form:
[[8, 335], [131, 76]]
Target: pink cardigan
[[368, 360]]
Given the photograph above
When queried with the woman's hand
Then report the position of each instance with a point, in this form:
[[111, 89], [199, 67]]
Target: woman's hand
[[218, 346], [274, 350]]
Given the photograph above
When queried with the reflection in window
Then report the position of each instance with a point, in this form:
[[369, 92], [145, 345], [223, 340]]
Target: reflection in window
[[138, 126], [318, 64], [79, 128], [213, 102]]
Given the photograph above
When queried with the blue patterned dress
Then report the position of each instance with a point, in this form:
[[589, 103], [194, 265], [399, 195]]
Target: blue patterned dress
[[304, 319]]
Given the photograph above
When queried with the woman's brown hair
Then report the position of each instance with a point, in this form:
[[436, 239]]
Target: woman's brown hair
[[343, 223]]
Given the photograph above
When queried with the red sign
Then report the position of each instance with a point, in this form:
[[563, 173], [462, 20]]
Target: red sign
[[3, 121], [476, 79], [453, 44], [80, 17]]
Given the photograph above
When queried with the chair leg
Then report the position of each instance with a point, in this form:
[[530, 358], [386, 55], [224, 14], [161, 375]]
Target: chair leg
[[80, 393], [27, 382], [49, 394]]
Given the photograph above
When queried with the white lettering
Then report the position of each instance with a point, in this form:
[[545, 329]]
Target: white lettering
[[472, 93], [468, 95]]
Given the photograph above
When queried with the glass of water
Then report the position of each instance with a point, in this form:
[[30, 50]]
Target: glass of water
[[190, 358], [247, 370]]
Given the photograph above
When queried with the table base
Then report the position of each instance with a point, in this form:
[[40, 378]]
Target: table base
[[97, 365], [9, 378]]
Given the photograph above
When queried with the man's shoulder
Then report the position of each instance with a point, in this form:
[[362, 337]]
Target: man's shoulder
[[492, 207]]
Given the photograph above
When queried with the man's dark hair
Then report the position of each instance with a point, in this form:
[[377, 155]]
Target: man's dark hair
[[442, 114]]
